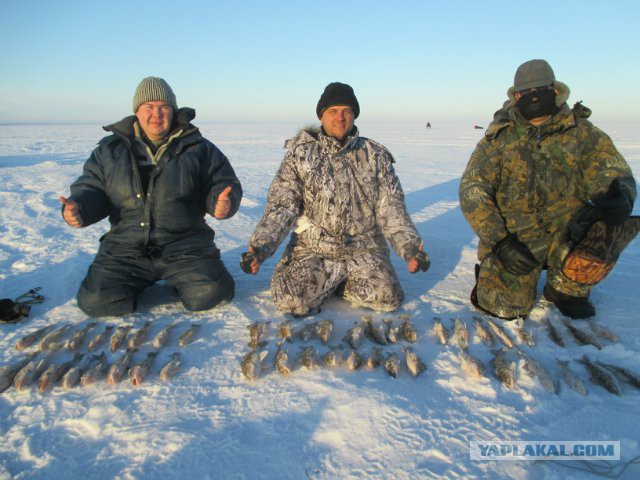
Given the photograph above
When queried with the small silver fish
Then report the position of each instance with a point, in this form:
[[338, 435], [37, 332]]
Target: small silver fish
[[284, 332], [77, 339], [332, 357], [524, 336], [414, 364], [251, 364], [504, 370], [55, 372], [623, 374], [256, 331], [52, 337], [580, 336], [409, 332], [171, 368], [374, 330], [602, 331], [281, 361], [601, 376], [375, 359], [354, 335], [440, 331], [323, 330], [307, 331], [72, 377], [571, 378], [96, 371], [99, 339], [138, 337], [8, 373], [392, 332], [354, 360], [553, 333], [29, 372], [138, 372], [307, 357], [535, 369], [162, 337], [118, 337], [483, 333], [119, 368], [460, 334], [33, 337], [471, 366], [187, 337], [392, 364], [501, 333]]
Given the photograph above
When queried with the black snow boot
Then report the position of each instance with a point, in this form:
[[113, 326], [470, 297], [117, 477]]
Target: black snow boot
[[570, 306]]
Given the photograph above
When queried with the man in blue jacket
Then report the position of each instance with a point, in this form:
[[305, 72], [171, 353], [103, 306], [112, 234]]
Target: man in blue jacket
[[155, 177]]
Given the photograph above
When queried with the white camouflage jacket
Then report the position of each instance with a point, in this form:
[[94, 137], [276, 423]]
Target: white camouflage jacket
[[345, 197]]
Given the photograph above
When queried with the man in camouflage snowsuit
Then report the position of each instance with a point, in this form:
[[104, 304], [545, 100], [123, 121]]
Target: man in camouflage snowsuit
[[343, 192], [541, 176]]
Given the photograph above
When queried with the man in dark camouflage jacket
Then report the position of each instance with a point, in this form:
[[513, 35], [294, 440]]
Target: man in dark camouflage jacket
[[539, 178], [341, 192]]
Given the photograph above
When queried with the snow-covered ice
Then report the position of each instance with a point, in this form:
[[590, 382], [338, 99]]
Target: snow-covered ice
[[211, 423]]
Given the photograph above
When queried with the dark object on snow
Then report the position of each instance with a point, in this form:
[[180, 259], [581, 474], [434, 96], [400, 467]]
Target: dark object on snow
[[12, 311], [478, 127], [515, 256], [428, 124]]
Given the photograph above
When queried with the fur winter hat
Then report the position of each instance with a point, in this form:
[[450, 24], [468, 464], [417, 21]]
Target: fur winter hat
[[337, 93], [153, 89], [532, 74]]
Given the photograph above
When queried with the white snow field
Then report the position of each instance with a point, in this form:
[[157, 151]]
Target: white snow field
[[325, 423]]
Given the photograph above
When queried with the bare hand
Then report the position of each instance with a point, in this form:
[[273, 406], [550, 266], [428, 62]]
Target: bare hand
[[249, 262], [223, 204], [71, 213], [419, 262]]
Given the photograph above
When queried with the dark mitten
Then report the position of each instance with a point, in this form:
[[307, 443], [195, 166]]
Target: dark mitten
[[247, 259], [582, 221], [515, 256], [615, 205]]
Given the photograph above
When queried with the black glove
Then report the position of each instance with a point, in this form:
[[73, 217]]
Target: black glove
[[514, 255], [582, 221], [615, 205]]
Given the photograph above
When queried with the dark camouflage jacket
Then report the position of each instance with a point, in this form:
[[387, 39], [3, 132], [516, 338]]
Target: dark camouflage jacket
[[530, 180], [343, 197]]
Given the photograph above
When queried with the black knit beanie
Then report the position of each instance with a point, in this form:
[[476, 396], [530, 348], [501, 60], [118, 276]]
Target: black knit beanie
[[337, 93]]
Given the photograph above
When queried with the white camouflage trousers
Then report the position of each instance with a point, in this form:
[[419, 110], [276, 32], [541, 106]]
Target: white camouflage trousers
[[303, 281]]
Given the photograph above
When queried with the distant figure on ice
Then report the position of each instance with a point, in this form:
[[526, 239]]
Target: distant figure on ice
[[340, 193], [478, 127], [428, 124], [543, 189], [155, 177]]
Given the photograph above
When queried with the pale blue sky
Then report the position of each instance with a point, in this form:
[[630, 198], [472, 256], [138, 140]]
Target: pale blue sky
[[251, 60]]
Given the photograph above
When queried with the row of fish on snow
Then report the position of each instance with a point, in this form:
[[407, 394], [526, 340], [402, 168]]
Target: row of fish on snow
[[89, 367], [385, 332]]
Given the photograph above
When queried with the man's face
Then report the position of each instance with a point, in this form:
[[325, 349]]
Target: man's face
[[337, 121], [155, 119]]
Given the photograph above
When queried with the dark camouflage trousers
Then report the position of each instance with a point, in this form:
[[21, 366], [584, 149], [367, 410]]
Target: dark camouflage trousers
[[302, 281], [508, 296]]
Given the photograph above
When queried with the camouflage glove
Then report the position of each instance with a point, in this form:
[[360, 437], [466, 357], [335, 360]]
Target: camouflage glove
[[515, 256], [615, 205]]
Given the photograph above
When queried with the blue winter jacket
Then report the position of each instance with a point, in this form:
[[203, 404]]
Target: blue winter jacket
[[170, 216]]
